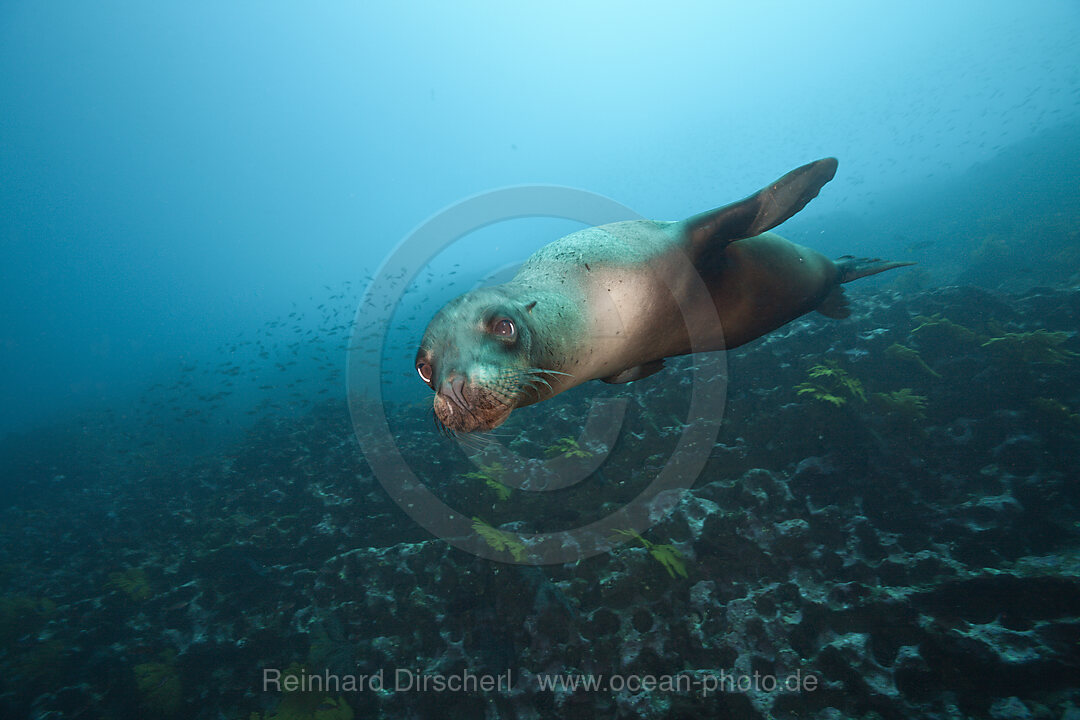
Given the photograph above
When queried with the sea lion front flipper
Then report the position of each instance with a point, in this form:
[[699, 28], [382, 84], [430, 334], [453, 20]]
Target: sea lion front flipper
[[713, 230], [635, 373]]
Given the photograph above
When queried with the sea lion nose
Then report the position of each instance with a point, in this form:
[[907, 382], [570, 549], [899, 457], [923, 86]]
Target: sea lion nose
[[451, 389]]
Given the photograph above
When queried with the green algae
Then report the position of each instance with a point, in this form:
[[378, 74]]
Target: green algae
[[938, 324], [829, 383], [903, 403], [132, 582], [1040, 346], [160, 690], [567, 447], [1056, 413], [903, 353], [668, 556], [498, 540], [21, 615], [492, 476]]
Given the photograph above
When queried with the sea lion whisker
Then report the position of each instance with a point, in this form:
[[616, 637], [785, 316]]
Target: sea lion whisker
[[490, 436], [439, 424], [533, 388], [469, 442], [440, 427], [511, 376], [466, 443], [537, 379], [470, 408], [550, 372], [478, 442]]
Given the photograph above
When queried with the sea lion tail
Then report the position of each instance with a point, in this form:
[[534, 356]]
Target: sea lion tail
[[853, 268], [835, 305]]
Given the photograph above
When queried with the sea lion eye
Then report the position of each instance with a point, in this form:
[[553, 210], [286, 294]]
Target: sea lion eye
[[424, 370], [504, 328]]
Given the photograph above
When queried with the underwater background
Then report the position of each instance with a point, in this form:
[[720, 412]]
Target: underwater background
[[195, 197]]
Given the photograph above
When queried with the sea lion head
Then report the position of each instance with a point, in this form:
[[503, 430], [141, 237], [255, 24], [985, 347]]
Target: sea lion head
[[475, 355]]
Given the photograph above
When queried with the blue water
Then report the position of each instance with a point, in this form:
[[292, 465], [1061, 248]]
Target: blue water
[[194, 198], [175, 176]]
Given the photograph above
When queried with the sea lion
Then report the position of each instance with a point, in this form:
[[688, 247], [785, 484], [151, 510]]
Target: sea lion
[[612, 302]]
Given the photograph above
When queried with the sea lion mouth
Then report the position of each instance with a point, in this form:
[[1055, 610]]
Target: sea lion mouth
[[470, 405], [463, 406]]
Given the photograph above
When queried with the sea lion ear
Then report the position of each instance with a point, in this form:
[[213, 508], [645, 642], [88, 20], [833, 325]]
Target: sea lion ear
[[760, 212], [530, 306]]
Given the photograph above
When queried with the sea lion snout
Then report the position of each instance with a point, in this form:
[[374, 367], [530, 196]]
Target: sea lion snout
[[466, 406], [451, 391]]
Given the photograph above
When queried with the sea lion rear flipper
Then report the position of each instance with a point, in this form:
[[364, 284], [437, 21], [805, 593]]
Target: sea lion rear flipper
[[635, 373], [835, 305], [853, 268], [760, 212]]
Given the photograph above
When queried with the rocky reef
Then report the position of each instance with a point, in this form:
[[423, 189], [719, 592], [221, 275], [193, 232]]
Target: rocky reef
[[888, 526]]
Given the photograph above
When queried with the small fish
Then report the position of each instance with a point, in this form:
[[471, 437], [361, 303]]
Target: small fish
[[920, 245]]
